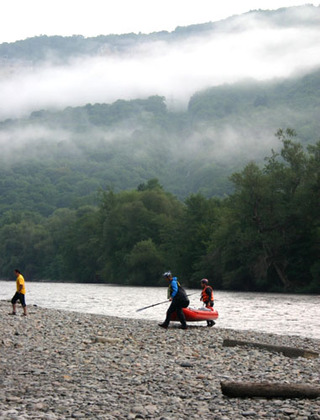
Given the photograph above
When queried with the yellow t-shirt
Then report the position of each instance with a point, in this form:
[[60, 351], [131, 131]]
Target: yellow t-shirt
[[20, 282]]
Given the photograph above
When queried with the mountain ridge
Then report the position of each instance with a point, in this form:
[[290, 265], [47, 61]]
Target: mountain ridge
[[123, 142], [289, 16]]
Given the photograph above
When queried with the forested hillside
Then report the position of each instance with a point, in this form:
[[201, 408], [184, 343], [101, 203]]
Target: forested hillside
[[118, 191], [265, 236], [55, 159], [37, 49]]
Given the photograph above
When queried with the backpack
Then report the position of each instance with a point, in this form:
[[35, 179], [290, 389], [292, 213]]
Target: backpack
[[182, 297]]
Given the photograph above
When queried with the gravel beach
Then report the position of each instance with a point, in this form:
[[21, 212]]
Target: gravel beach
[[68, 365]]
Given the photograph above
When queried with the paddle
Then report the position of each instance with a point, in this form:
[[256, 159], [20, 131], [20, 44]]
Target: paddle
[[150, 306], [160, 303]]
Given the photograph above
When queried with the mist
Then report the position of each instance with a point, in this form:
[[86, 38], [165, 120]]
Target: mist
[[253, 49]]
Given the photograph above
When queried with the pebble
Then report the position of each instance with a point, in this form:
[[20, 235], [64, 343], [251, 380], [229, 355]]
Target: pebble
[[67, 365]]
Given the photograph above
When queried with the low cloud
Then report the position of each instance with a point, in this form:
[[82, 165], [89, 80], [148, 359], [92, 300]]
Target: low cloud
[[256, 50]]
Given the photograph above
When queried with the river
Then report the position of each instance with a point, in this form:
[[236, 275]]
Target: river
[[265, 312]]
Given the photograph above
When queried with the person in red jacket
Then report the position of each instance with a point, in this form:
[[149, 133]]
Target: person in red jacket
[[207, 297]]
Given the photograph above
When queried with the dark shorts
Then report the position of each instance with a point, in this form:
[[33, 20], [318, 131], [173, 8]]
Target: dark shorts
[[20, 297]]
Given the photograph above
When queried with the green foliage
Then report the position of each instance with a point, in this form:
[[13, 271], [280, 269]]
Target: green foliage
[[265, 236], [144, 263], [274, 218], [133, 225], [80, 247], [194, 232], [257, 229], [274, 104], [121, 145], [18, 246]]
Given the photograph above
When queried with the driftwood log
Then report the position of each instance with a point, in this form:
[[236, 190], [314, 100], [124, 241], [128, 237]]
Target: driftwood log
[[286, 351], [269, 390]]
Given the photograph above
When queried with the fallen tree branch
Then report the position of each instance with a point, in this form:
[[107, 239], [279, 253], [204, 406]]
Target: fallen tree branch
[[286, 351], [269, 390]]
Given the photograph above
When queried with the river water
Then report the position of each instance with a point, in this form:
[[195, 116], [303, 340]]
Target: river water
[[265, 312]]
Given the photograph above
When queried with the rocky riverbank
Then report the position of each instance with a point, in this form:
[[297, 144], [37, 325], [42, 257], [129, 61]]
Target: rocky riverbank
[[66, 365]]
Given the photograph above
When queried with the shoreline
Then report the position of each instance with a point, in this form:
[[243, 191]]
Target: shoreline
[[258, 312], [58, 364]]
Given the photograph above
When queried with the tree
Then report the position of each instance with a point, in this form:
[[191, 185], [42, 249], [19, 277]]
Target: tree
[[19, 249], [195, 230], [273, 227], [80, 249], [133, 221], [144, 263]]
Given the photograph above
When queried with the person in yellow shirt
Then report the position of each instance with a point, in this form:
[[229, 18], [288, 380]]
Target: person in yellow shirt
[[20, 293]]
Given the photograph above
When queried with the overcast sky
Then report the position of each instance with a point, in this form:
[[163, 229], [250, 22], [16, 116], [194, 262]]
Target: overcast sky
[[21, 19]]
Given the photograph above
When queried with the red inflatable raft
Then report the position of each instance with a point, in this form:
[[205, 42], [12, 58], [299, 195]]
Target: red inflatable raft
[[192, 314]]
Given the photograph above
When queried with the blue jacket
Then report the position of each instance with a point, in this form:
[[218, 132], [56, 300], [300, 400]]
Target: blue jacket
[[173, 288]]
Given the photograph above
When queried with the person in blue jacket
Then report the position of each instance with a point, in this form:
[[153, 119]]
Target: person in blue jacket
[[179, 300]]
